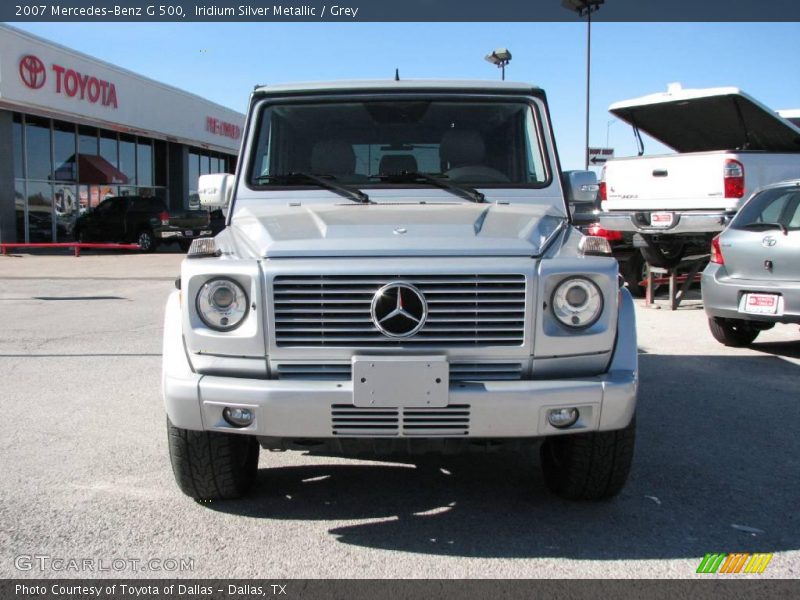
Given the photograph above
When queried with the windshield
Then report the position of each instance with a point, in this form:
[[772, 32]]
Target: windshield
[[373, 142]]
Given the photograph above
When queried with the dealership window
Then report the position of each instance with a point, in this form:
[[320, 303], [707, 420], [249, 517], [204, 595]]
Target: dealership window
[[193, 201], [108, 147], [19, 156], [64, 151], [40, 211], [65, 206], [144, 163], [160, 163], [19, 209], [202, 162], [37, 146], [87, 140], [62, 169], [127, 157]]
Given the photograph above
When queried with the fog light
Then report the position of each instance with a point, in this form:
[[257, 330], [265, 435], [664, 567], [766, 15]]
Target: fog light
[[563, 417], [238, 417]]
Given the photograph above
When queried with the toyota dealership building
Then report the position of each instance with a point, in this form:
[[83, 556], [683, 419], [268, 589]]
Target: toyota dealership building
[[75, 130]]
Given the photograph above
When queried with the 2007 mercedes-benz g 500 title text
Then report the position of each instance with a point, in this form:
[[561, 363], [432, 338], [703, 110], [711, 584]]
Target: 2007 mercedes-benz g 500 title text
[[399, 275]]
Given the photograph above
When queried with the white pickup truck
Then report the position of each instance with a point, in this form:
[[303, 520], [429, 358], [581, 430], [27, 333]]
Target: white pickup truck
[[728, 145]]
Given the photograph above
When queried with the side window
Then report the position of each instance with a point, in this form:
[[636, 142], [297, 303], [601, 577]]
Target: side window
[[772, 212], [793, 214], [535, 160], [264, 147]]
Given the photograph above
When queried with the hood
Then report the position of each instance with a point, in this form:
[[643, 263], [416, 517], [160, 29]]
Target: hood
[[396, 229], [699, 120]]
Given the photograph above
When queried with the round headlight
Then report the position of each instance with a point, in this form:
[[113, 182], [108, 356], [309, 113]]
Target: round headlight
[[577, 302], [222, 304]]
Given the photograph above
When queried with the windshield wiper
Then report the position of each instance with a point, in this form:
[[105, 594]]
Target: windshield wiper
[[463, 191], [320, 180], [781, 226]]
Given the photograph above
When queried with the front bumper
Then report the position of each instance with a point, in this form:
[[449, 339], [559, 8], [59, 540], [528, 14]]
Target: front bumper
[[496, 409], [722, 295], [683, 222]]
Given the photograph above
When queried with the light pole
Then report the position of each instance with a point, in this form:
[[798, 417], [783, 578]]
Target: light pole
[[500, 58], [586, 8]]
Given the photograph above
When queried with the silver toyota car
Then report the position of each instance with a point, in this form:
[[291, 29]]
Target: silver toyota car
[[753, 279]]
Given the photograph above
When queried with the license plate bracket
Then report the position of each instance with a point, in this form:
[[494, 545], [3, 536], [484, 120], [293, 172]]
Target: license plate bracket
[[661, 220], [400, 381], [759, 304]]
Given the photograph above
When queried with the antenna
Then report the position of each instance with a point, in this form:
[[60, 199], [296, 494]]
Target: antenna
[[397, 74]]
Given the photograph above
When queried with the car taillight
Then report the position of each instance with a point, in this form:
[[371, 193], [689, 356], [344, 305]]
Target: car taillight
[[164, 216], [611, 236], [716, 252], [603, 194], [733, 177]]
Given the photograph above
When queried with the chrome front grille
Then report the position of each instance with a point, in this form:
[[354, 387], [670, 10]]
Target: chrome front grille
[[459, 372], [353, 421], [463, 310]]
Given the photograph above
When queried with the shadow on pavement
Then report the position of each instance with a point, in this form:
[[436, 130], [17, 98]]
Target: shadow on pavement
[[790, 349], [717, 459]]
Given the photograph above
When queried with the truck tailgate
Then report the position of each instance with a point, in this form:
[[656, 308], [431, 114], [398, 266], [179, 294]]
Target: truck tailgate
[[674, 182], [189, 219]]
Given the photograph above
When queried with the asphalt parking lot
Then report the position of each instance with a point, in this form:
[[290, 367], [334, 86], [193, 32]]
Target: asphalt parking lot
[[85, 471]]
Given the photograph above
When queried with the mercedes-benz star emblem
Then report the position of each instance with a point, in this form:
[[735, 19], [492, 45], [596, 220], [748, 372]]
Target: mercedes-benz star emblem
[[768, 241], [399, 309], [32, 71]]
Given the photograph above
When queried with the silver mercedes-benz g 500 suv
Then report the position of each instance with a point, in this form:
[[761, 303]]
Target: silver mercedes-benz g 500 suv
[[399, 274]]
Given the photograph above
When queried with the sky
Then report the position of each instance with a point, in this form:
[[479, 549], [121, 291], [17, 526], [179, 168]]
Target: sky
[[223, 61]]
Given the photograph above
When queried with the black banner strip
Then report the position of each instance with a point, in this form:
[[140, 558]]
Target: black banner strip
[[396, 10], [728, 587]]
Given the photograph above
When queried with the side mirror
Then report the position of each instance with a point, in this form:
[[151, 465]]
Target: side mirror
[[215, 190], [581, 189]]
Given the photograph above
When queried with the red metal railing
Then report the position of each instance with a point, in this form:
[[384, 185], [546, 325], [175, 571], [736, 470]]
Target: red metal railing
[[78, 246]]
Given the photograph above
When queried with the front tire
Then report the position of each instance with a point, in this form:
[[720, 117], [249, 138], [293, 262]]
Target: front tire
[[588, 466], [212, 466], [732, 332]]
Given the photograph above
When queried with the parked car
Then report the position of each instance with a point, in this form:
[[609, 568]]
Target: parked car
[[727, 145], [141, 220], [753, 279], [399, 275]]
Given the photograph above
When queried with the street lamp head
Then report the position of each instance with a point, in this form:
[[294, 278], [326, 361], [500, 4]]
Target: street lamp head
[[582, 6], [499, 57]]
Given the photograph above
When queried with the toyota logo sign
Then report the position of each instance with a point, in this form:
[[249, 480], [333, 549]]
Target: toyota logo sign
[[32, 71]]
